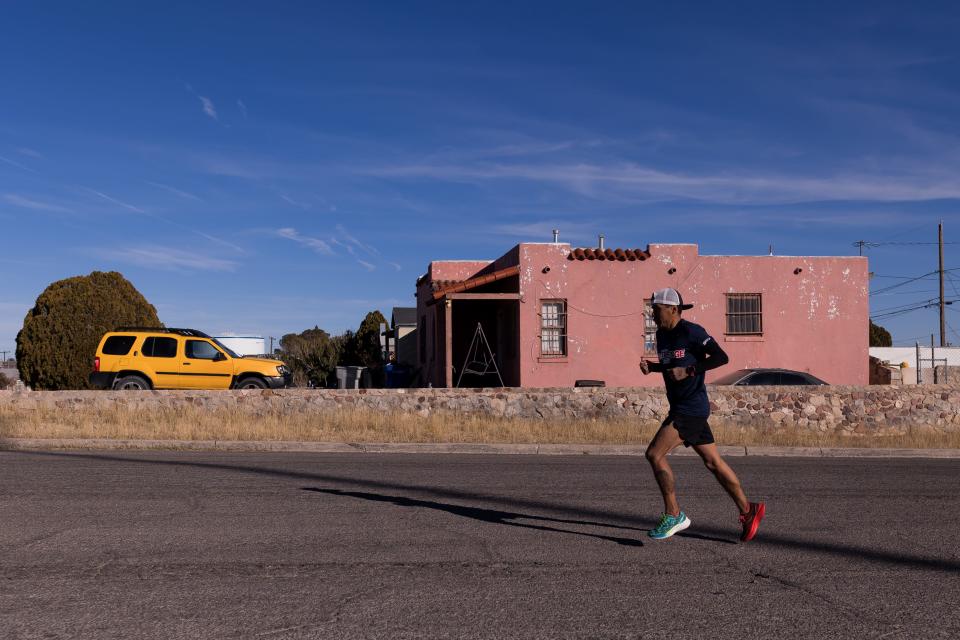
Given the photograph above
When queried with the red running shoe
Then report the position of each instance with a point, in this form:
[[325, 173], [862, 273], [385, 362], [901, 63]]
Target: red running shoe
[[750, 521]]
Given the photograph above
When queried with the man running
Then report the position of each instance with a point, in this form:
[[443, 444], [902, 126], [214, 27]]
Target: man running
[[686, 353]]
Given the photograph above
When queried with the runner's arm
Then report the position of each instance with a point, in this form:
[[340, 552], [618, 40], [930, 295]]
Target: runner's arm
[[656, 367], [711, 357]]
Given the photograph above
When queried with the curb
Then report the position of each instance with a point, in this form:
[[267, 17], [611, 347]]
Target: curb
[[24, 444]]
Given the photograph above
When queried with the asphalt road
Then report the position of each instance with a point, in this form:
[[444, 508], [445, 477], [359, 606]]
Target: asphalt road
[[191, 545]]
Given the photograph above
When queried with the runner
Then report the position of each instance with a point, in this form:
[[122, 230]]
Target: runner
[[686, 352]]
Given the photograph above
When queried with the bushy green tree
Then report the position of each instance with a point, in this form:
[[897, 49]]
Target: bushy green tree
[[59, 338], [363, 347], [879, 337], [311, 355]]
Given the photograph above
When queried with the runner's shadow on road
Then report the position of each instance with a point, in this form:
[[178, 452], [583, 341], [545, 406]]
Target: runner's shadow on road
[[493, 516], [773, 539], [509, 518]]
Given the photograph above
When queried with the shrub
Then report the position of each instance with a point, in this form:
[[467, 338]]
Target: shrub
[[311, 356], [879, 337], [59, 338]]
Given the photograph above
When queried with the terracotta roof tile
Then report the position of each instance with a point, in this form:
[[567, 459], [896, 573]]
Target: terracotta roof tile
[[437, 285], [615, 255]]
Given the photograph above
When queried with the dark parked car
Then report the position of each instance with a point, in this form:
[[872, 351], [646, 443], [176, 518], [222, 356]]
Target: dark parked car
[[757, 377]]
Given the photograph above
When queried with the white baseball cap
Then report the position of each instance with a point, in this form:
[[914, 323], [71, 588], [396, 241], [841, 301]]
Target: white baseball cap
[[669, 297]]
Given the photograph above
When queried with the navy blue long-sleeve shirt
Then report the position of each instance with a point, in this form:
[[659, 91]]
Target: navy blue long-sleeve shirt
[[687, 344]]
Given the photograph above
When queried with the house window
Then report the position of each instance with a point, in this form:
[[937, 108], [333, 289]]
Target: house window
[[744, 314], [649, 330], [553, 328]]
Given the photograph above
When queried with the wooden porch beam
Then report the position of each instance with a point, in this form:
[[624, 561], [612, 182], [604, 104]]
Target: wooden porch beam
[[448, 340], [482, 296]]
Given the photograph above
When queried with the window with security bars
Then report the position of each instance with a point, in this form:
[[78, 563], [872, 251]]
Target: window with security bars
[[649, 330], [553, 328], [744, 314]]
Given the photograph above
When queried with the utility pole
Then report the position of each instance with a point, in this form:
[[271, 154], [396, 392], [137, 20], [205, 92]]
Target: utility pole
[[860, 244], [943, 318], [4, 356], [271, 345]]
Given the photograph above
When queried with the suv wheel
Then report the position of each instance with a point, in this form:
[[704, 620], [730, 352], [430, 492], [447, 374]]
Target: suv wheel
[[131, 383], [251, 383]]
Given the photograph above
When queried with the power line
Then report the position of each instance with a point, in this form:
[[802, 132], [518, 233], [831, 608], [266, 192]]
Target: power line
[[871, 245], [952, 330], [905, 305], [900, 312], [900, 284], [900, 293], [900, 234]]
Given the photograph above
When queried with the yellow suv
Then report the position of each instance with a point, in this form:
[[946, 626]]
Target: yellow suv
[[144, 358]]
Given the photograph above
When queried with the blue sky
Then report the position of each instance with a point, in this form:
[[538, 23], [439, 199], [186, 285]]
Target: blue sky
[[267, 167]]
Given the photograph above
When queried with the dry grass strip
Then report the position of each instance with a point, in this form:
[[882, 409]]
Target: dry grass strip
[[190, 423]]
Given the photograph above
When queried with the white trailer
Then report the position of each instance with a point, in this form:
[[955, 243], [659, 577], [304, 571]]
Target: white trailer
[[244, 345]]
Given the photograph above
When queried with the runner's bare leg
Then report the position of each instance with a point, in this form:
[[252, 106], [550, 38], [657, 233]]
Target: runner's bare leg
[[666, 440], [724, 474]]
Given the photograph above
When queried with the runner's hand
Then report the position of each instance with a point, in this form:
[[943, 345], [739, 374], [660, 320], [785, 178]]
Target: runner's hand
[[644, 367]]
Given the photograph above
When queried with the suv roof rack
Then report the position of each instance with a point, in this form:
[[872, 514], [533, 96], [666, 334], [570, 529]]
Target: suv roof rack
[[181, 332]]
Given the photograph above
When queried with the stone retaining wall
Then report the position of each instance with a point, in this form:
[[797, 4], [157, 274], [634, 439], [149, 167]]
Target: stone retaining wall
[[878, 410]]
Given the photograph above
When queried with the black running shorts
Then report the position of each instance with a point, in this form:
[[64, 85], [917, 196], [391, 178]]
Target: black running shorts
[[693, 429]]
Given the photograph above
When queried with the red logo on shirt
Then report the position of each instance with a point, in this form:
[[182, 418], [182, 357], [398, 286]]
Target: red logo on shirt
[[679, 353]]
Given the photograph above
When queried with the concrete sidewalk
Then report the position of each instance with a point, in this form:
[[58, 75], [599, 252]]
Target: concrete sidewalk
[[15, 444]]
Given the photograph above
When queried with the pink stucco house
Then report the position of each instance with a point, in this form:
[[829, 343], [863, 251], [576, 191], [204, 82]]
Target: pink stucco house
[[553, 314]]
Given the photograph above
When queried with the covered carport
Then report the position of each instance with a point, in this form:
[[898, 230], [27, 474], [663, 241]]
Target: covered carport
[[490, 302]]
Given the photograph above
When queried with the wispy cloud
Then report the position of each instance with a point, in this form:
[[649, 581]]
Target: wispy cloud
[[173, 223], [296, 203], [325, 246], [205, 102], [208, 107], [790, 219], [542, 231], [219, 241], [243, 108], [232, 168], [631, 180], [346, 247], [119, 203], [17, 164], [27, 203], [168, 259], [29, 152], [395, 266], [316, 244], [174, 190], [357, 243]]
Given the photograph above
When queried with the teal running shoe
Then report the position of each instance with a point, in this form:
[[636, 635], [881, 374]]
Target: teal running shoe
[[669, 525]]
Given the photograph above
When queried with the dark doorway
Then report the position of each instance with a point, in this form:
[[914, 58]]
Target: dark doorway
[[501, 326]]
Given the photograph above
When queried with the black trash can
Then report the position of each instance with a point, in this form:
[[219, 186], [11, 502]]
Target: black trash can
[[589, 383]]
